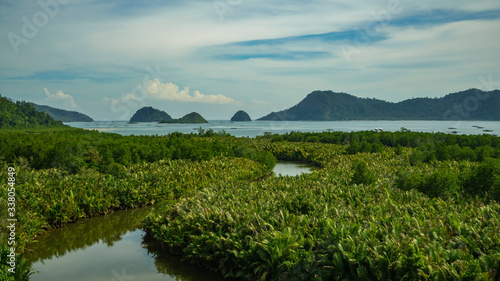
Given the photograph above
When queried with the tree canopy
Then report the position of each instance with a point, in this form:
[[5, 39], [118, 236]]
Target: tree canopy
[[20, 114]]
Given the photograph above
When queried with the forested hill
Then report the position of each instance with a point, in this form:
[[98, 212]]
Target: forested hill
[[63, 115], [241, 116], [472, 104], [150, 114], [191, 118], [20, 114]]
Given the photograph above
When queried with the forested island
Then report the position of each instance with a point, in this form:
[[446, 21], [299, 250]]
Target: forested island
[[149, 114], [191, 118], [472, 104], [63, 115], [241, 116]]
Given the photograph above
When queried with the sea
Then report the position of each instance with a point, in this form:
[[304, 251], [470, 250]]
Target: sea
[[258, 128]]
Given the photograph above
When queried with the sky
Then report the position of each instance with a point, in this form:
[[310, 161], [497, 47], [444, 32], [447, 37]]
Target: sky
[[108, 59]]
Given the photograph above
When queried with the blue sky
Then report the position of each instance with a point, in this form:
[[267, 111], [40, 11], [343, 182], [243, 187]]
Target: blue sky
[[107, 59]]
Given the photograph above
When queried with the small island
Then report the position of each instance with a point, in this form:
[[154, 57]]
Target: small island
[[149, 114], [191, 118], [241, 116]]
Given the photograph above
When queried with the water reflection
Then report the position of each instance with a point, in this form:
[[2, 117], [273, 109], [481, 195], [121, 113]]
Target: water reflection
[[291, 168], [78, 236], [112, 247], [172, 266]]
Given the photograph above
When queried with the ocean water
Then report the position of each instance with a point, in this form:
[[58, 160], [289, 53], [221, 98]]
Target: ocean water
[[256, 128]]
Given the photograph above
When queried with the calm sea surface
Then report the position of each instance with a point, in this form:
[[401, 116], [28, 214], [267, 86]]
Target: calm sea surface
[[255, 128]]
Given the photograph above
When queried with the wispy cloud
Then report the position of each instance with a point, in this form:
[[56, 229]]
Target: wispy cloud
[[442, 16], [93, 74], [285, 55], [279, 48]]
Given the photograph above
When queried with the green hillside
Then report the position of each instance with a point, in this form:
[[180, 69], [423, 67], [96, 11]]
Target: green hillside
[[21, 115], [63, 115], [472, 104]]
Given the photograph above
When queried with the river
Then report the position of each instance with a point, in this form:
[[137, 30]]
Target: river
[[114, 247]]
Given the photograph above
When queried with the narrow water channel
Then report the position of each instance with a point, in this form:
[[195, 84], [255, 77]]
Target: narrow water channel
[[108, 248], [115, 248]]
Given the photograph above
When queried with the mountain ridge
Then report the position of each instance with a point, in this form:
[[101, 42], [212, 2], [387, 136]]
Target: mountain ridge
[[61, 114], [472, 104]]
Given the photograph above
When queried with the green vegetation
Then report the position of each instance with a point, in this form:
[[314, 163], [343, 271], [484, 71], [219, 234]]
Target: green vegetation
[[63, 115], [191, 118], [241, 116], [329, 106], [22, 115], [50, 198], [429, 146], [362, 174], [325, 226], [76, 150], [149, 114], [63, 176], [468, 180], [369, 211]]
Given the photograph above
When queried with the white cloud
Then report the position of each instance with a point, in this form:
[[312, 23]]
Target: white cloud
[[60, 98], [170, 91]]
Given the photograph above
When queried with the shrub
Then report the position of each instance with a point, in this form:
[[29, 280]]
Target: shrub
[[115, 169], [362, 175], [298, 205], [407, 181], [495, 189], [22, 270], [440, 183], [483, 178], [264, 157]]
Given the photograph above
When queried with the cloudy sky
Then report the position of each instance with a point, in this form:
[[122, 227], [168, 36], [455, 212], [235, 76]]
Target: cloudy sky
[[109, 58]]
